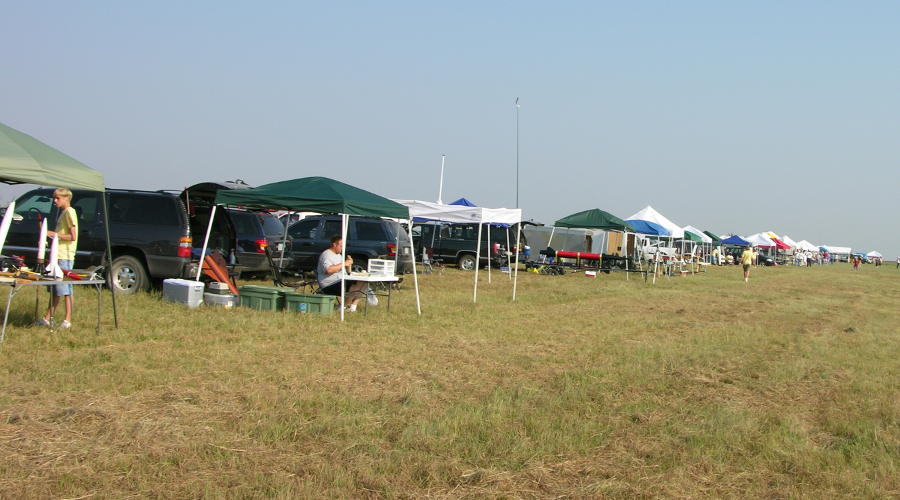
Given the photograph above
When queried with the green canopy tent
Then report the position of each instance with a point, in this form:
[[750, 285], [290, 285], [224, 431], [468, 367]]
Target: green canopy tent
[[26, 160], [318, 194], [715, 238], [597, 219]]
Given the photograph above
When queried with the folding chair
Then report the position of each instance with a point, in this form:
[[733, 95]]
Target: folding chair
[[290, 280]]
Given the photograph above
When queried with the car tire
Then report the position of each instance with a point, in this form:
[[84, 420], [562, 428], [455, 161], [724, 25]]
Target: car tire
[[466, 262], [129, 275]]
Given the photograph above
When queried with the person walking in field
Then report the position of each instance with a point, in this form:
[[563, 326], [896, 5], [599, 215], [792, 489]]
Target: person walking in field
[[746, 261], [67, 233]]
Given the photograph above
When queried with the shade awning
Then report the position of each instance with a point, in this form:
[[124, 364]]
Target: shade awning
[[735, 240], [26, 160], [650, 214], [314, 194], [594, 219], [461, 213]]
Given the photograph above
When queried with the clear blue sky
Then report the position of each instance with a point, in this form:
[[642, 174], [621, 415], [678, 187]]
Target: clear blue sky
[[732, 117]]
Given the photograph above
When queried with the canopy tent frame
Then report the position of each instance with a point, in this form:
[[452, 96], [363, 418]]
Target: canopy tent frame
[[468, 215], [323, 195], [26, 160]]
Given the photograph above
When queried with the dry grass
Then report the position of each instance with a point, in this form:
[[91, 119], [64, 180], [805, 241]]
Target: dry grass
[[700, 386]]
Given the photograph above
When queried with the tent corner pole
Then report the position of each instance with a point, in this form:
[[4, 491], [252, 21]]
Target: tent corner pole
[[516, 271], [345, 219], [412, 252], [109, 275], [212, 216], [477, 265]]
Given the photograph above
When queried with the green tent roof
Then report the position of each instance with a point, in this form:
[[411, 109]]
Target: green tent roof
[[713, 236], [314, 194], [692, 237], [26, 160], [594, 219]]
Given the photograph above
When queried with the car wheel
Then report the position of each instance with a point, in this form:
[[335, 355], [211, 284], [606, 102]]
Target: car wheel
[[466, 262], [129, 275]]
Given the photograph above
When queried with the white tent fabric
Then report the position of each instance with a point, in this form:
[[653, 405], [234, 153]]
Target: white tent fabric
[[788, 241], [693, 230], [461, 214], [648, 213], [875, 254], [469, 215], [807, 246], [760, 240], [837, 250]]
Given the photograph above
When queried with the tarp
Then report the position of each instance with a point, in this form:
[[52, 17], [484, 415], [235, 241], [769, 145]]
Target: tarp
[[460, 213], [647, 227], [649, 214], [735, 240], [715, 238], [26, 160], [314, 194], [759, 240], [700, 234], [594, 219]]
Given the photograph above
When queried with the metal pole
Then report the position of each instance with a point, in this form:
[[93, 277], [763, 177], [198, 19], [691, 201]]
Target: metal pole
[[517, 152], [212, 215], [441, 184], [109, 275]]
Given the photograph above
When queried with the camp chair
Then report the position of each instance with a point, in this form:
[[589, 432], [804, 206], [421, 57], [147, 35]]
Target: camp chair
[[429, 262], [289, 280]]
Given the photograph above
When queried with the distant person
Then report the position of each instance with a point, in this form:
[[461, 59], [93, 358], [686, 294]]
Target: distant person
[[746, 261], [898, 262], [329, 270], [856, 262], [715, 256], [67, 235]]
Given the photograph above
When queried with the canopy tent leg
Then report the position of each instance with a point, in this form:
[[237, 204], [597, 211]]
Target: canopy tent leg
[[508, 256], [345, 219], [212, 216], [625, 237], [412, 252], [490, 251], [109, 275], [284, 240], [516, 271], [477, 261]]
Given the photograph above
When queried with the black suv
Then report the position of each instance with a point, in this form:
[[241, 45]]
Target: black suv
[[149, 232], [254, 232], [367, 238], [455, 243]]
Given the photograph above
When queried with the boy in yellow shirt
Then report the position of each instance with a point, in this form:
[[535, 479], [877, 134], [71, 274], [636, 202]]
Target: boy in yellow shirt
[[67, 233], [746, 260]]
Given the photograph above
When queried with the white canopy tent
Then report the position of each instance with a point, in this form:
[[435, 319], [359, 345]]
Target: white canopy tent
[[648, 213], [468, 215], [807, 246], [875, 254], [838, 250], [760, 240], [788, 241]]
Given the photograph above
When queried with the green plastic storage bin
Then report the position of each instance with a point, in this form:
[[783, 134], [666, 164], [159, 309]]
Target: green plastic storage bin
[[315, 304], [262, 298]]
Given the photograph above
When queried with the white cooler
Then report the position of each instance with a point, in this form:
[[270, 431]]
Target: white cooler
[[187, 292], [214, 299]]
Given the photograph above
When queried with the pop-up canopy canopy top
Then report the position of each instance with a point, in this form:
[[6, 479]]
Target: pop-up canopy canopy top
[[470, 215], [650, 214], [319, 194], [26, 160]]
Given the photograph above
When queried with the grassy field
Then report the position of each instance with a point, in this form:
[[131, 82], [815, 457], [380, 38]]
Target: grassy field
[[699, 386]]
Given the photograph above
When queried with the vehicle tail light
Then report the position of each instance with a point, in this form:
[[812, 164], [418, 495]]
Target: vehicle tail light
[[392, 249], [261, 246], [184, 246]]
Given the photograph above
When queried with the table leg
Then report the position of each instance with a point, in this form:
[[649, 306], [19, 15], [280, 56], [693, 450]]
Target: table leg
[[389, 296], [12, 291], [99, 302]]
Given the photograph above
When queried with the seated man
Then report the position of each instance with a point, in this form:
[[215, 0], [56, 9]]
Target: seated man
[[328, 273]]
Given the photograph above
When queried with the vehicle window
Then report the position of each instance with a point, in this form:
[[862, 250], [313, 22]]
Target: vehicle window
[[31, 204], [373, 231], [304, 229], [332, 228], [417, 231], [135, 208], [243, 223], [86, 208], [271, 224], [445, 232]]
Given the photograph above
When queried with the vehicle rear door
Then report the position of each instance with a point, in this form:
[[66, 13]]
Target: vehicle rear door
[[304, 234]]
